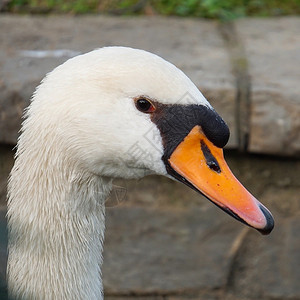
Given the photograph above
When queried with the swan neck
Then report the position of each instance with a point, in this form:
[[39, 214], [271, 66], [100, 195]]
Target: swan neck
[[56, 229]]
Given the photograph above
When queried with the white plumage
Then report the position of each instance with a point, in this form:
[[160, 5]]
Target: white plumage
[[77, 136], [83, 128]]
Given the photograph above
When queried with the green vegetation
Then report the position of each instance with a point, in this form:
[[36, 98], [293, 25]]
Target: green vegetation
[[222, 9], [57, 6], [215, 9]]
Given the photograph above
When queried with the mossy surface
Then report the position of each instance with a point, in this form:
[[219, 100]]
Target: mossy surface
[[212, 9]]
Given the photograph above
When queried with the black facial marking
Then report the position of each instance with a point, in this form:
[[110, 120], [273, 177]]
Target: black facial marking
[[210, 159], [176, 121]]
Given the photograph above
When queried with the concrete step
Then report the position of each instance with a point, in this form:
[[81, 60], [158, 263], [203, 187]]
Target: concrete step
[[249, 74], [165, 241]]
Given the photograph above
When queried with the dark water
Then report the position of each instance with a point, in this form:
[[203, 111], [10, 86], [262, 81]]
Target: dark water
[[3, 255]]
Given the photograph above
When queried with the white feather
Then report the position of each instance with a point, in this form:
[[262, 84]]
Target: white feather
[[81, 130]]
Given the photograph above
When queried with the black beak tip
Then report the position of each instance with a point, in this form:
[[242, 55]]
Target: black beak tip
[[270, 221]]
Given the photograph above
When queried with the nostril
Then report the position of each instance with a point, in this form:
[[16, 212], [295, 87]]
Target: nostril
[[213, 165], [210, 159]]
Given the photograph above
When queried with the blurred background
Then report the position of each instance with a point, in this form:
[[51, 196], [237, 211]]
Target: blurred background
[[163, 240]]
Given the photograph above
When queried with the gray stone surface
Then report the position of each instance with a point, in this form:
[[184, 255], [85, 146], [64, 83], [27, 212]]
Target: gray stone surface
[[163, 240], [271, 261], [195, 46], [166, 242], [273, 53], [268, 267], [167, 251]]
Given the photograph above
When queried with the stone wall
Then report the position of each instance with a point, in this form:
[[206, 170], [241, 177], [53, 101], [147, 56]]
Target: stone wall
[[163, 240], [247, 69]]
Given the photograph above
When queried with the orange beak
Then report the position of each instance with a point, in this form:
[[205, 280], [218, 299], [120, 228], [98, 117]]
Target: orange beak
[[203, 166]]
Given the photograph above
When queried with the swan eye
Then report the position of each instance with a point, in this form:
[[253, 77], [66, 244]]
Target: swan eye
[[144, 105]]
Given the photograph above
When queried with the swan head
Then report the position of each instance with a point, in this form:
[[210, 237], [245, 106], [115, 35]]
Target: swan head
[[123, 112]]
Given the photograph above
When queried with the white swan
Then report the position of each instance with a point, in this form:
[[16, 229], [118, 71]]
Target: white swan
[[113, 112]]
